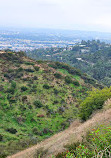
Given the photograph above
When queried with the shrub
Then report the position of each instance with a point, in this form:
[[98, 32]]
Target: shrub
[[3, 79], [3, 154], [29, 70], [46, 86], [24, 98], [10, 70], [1, 137], [36, 68], [20, 69], [74, 71], [35, 78], [55, 102], [58, 65], [61, 109], [6, 75], [96, 141], [24, 88], [11, 130], [64, 124], [76, 83], [58, 75], [11, 90], [34, 86], [29, 63], [33, 90], [56, 91], [87, 79], [12, 100], [94, 101], [53, 66], [62, 66], [68, 80], [46, 131], [35, 131], [38, 104], [19, 75], [20, 119], [1, 88], [61, 155], [13, 84]]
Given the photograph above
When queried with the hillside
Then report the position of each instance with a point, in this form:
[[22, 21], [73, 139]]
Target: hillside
[[73, 134], [91, 57], [37, 99]]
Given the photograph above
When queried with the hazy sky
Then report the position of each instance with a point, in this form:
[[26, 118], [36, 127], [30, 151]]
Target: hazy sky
[[65, 14]]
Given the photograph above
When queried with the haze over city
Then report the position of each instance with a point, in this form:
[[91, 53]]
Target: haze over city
[[90, 15]]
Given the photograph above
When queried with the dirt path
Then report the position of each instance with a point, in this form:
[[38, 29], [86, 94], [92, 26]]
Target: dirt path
[[56, 143]]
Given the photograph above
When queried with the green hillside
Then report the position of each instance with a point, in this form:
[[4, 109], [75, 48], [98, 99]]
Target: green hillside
[[37, 99], [91, 57], [97, 140]]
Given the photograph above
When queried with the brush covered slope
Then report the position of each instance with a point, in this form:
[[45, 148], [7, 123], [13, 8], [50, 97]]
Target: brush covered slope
[[37, 99], [96, 136]]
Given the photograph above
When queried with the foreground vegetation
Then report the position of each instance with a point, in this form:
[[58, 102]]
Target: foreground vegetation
[[96, 143], [37, 99], [93, 102]]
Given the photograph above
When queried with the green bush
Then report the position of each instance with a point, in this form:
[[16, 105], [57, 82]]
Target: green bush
[[35, 131], [97, 140], [29, 63], [35, 78], [10, 70], [36, 68], [20, 69], [38, 104], [24, 88], [1, 88], [6, 75], [19, 75], [29, 70], [68, 80], [56, 91], [46, 86], [94, 101], [11, 90], [76, 83], [13, 84], [55, 102], [1, 137], [11, 130], [58, 75]]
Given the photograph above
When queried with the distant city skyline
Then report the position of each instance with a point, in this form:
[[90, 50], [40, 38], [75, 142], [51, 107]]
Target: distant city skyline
[[89, 15]]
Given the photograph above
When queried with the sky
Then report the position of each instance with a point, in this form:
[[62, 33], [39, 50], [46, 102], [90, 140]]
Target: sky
[[90, 15]]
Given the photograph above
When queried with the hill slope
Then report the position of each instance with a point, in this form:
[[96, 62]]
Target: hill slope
[[37, 99], [74, 133]]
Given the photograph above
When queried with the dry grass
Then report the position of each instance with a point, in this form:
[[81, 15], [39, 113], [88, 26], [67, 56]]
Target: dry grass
[[75, 132], [107, 104]]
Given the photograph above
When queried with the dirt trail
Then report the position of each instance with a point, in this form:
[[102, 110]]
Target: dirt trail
[[55, 144]]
